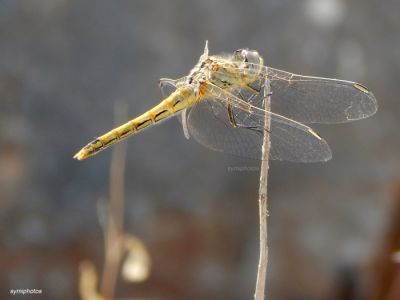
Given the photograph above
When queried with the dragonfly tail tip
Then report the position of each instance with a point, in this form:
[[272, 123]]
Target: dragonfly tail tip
[[80, 155]]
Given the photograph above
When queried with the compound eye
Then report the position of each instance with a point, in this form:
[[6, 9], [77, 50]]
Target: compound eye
[[253, 57], [240, 55], [245, 53]]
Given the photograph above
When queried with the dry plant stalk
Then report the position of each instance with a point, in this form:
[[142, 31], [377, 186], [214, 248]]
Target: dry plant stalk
[[88, 282], [114, 227], [262, 199], [117, 243]]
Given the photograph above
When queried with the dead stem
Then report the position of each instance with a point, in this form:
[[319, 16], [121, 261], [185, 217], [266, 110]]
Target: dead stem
[[115, 218], [263, 208]]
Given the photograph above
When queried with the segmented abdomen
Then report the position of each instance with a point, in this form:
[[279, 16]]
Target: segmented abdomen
[[177, 101]]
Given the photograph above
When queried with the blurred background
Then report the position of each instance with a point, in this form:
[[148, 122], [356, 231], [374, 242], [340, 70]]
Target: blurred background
[[334, 228]]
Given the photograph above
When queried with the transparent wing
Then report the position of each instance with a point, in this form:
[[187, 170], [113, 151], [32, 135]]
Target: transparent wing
[[318, 100], [167, 87], [210, 124]]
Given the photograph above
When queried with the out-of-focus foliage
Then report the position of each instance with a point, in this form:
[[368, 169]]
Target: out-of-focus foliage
[[136, 266]]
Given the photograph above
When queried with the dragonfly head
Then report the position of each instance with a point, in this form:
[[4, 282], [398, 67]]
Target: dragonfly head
[[250, 60], [248, 56]]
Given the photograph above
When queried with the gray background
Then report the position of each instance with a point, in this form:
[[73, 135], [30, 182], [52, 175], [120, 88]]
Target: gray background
[[64, 65]]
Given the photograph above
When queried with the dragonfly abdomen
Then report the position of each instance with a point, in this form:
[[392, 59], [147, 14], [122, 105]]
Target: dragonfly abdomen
[[177, 101]]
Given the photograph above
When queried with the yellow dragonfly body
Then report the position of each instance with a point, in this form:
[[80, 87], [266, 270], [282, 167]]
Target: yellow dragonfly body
[[221, 102]]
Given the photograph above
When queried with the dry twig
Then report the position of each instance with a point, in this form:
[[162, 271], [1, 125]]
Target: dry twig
[[114, 226], [263, 209]]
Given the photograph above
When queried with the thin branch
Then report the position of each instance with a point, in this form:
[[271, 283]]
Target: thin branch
[[262, 200], [115, 216]]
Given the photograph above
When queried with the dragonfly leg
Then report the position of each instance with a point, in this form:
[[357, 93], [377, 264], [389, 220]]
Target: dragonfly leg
[[248, 109], [254, 93], [255, 90], [251, 89], [254, 128], [236, 125], [231, 116]]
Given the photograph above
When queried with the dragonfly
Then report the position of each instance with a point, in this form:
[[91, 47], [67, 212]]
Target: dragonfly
[[221, 104]]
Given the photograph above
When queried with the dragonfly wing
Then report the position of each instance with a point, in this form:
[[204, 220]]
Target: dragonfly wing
[[183, 120], [168, 86], [210, 124], [318, 100]]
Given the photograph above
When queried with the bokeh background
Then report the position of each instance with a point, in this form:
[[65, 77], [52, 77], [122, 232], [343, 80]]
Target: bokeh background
[[333, 228]]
